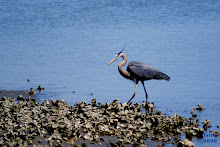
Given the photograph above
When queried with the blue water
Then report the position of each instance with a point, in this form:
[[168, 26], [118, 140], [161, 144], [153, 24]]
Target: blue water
[[65, 46]]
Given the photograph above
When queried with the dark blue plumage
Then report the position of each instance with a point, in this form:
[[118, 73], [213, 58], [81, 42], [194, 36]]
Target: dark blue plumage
[[142, 71]]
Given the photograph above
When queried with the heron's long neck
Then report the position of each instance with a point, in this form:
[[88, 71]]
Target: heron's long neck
[[124, 73]]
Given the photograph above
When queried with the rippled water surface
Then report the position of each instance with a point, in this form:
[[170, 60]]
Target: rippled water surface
[[65, 46]]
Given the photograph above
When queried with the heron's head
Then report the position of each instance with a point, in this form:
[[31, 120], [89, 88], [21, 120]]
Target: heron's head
[[117, 56]]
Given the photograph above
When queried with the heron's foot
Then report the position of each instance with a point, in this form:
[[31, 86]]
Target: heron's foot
[[150, 107], [146, 106], [129, 103]]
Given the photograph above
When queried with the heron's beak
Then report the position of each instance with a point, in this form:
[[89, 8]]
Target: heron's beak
[[113, 60]]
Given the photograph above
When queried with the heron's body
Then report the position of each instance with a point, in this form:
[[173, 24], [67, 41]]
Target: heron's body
[[138, 71], [142, 71]]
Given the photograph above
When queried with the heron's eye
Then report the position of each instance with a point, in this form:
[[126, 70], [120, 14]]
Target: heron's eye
[[118, 54]]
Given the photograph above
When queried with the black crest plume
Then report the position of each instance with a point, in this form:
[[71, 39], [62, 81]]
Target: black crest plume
[[122, 49]]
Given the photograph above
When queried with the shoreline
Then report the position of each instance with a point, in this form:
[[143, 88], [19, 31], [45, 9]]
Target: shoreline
[[56, 123], [13, 93]]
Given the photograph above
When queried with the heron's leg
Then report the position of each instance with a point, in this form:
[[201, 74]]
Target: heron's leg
[[134, 92], [145, 93]]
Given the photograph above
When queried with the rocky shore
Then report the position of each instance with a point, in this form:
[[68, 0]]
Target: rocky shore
[[25, 122]]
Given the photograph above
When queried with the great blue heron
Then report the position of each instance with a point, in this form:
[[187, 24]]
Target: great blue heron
[[138, 71]]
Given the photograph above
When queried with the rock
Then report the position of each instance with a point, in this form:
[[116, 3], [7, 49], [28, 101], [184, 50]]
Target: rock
[[93, 102], [114, 144], [55, 135], [188, 143], [200, 108], [88, 136], [200, 133], [194, 115], [206, 124], [193, 109], [216, 133], [31, 92], [20, 97], [115, 102], [3, 98], [151, 106], [102, 139], [180, 144], [60, 123], [84, 145], [158, 113], [185, 143], [39, 88]]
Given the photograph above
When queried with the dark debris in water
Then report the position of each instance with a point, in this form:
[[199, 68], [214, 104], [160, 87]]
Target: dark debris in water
[[59, 123]]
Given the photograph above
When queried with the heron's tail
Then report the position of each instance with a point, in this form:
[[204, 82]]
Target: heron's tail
[[164, 76]]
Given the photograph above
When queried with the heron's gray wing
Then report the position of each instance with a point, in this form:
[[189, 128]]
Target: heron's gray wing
[[142, 71]]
